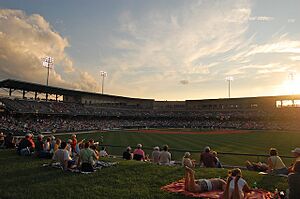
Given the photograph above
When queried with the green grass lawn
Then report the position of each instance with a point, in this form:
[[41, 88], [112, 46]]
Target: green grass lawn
[[255, 142], [24, 177]]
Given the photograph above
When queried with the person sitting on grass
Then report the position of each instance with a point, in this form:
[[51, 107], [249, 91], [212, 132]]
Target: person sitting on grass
[[296, 153], [275, 163], [207, 159], [94, 148], [127, 155], [79, 146], [87, 158], [202, 185], [47, 145], [138, 153], [69, 147], [9, 141], [52, 144], [26, 145], [63, 157], [218, 163], [39, 145], [186, 160], [165, 156], [103, 152], [56, 145], [294, 182], [155, 155], [236, 186]]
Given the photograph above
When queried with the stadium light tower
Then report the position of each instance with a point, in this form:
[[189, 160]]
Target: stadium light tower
[[103, 74], [229, 79], [48, 63], [292, 82]]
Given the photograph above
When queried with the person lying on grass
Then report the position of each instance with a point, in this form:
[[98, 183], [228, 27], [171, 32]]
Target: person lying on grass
[[202, 185], [257, 166], [236, 186]]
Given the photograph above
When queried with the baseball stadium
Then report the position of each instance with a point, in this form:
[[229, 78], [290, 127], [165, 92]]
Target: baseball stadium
[[139, 99], [237, 129]]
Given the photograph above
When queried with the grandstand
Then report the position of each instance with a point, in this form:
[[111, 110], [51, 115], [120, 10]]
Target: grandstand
[[42, 108]]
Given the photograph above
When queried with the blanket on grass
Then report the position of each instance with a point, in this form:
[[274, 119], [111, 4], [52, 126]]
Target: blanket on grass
[[98, 165], [178, 187]]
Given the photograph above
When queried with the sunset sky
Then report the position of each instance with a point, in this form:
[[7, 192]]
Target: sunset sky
[[163, 50]]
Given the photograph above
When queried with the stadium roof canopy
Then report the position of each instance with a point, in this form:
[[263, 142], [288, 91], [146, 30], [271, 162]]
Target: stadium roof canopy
[[39, 88]]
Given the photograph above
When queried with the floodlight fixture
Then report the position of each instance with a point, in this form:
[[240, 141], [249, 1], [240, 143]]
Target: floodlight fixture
[[103, 74], [229, 79], [291, 77], [48, 62]]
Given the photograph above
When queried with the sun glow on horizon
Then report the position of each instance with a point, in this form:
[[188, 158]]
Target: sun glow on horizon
[[290, 87]]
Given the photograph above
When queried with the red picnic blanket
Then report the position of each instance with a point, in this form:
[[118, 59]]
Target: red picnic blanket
[[178, 187]]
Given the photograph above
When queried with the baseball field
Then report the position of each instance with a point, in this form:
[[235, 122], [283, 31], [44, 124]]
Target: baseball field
[[24, 177]]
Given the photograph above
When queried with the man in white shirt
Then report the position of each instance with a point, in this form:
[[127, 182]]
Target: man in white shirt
[[165, 156], [62, 156]]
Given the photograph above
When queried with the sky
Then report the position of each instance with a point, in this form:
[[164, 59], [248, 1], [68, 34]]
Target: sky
[[163, 50]]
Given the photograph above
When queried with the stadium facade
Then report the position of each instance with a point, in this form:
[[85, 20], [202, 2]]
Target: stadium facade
[[33, 91]]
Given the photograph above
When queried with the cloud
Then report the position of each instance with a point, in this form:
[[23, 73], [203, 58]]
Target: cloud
[[25, 40], [174, 44], [261, 18], [280, 47]]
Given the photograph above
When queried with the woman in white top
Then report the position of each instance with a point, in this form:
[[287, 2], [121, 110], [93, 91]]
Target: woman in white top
[[236, 186], [275, 163]]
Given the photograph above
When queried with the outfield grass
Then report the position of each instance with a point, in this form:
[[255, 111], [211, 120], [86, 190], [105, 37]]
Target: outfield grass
[[254, 142], [24, 177]]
